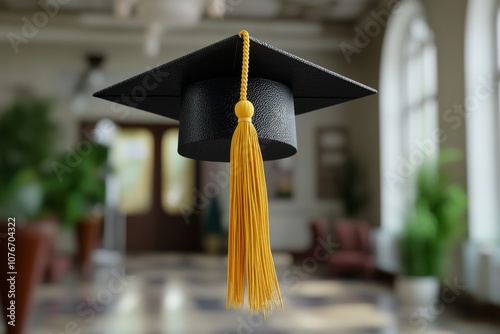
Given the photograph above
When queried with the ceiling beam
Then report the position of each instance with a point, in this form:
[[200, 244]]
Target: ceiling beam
[[107, 30]]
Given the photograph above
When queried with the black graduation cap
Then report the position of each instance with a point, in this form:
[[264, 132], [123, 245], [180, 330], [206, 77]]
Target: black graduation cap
[[201, 89]]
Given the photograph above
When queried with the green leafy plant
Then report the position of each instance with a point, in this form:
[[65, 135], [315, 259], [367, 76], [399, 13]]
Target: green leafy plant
[[74, 195], [27, 143], [435, 220]]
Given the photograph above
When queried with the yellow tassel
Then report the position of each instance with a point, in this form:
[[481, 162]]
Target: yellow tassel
[[249, 250]]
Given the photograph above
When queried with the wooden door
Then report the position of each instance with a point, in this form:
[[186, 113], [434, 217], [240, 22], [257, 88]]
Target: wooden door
[[156, 230]]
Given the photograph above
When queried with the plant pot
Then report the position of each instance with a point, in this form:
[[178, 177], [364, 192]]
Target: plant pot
[[58, 265], [417, 291], [88, 234], [32, 243]]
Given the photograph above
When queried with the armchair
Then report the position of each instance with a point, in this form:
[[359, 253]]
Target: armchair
[[353, 255]]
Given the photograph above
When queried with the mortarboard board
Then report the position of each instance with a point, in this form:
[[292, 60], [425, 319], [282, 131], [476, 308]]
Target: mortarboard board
[[201, 90]]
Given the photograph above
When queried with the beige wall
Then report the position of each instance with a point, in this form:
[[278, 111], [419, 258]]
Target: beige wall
[[449, 36], [363, 115]]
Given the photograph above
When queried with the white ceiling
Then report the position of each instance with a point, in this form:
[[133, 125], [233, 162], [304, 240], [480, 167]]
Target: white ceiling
[[293, 25], [317, 10]]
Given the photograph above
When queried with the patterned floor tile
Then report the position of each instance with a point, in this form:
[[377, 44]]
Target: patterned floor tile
[[184, 294]]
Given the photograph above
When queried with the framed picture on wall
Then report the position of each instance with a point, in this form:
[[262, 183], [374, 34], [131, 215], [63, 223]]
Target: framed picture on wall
[[279, 178], [331, 159]]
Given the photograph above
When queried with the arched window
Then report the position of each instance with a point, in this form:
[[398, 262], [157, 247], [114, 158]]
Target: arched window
[[482, 78], [408, 109]]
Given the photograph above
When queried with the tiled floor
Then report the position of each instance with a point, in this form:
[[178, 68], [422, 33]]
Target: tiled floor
[[186, 294]]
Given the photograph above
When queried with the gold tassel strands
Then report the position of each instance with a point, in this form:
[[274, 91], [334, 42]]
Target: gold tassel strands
[[249, 251]]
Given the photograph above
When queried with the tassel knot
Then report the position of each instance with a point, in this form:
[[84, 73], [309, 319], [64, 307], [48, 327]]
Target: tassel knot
[[244, 111]]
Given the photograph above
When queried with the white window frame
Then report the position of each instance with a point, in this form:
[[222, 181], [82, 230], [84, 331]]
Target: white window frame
[[408, 109], [482, 76]]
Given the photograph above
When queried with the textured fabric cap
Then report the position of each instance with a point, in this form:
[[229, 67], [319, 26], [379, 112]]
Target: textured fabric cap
[[159, 90]]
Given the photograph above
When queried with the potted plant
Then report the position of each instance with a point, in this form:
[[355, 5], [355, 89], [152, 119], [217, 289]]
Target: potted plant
[[77, 194], [27, 140], [434, 223]]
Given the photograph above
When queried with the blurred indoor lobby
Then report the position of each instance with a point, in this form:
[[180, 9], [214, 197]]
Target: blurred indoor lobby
[[386, 220]]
